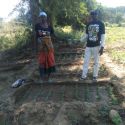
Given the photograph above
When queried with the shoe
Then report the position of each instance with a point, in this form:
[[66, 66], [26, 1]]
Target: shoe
[[18, 83], [94, 79], [50, 81], [81, 79]]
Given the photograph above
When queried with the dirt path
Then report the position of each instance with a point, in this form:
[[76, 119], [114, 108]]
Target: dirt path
[[116, 69]]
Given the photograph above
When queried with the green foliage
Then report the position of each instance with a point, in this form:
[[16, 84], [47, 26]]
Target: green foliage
[[98, 97], [119, 18], [75, 18], [4, 42], [121, 24], [86, 93], [115, 37], [117, 120], [114, 100], [68, 12], [118, 56], [22, 39], [67, 33], [23, 12], [112, 15], [114, 34], [14, 35], [104, 110]]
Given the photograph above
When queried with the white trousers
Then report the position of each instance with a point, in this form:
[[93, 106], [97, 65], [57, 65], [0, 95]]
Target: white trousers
[[91, 51]]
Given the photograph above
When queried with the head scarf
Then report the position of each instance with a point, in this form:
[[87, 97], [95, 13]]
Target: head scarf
[[42, 14]]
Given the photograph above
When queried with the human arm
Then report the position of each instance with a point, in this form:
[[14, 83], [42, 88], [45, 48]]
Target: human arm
[[38, 30], [102, 44], [84, 38]]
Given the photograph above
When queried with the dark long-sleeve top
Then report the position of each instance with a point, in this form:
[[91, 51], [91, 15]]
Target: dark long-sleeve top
[[48, 30]]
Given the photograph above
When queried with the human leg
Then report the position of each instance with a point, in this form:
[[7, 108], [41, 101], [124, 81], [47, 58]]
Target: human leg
[[86, 62], [96, 62]]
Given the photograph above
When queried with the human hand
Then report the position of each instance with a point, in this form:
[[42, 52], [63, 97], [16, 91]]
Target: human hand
[[101, 51], [40, 32]]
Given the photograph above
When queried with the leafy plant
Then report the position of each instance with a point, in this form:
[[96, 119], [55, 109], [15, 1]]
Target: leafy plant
[[14, 35], [114, 34], [67, 32], [114, 100], [86, 93], [104, 111], [76, 92], [118, 56], [97, 93], [117, 120]]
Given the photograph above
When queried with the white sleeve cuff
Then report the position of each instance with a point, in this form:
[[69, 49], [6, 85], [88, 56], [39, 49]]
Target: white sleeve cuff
[[103, 40], [84, 38]]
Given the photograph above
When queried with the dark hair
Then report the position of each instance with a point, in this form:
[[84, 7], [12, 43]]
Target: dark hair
[[93, 13]]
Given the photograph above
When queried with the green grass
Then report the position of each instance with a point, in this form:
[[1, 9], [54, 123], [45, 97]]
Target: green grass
[[13, 35], [115, 35], [118, 56]]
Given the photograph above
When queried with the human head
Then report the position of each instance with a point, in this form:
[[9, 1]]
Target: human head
[[94, 15], [43, 16]]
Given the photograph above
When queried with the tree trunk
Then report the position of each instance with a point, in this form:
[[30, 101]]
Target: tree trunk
[[34, 9]]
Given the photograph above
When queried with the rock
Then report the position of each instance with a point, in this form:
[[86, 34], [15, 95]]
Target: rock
[[115, 117]]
